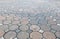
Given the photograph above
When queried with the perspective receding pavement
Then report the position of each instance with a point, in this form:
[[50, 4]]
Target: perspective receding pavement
[[29, 19], [42, 26]]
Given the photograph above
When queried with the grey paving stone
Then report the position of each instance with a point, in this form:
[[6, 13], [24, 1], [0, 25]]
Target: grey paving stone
[[57, 34], [15, 22], [45, 27], [36, 35], [55, 27], [34, 28], [33, 20], [24, 28], [7, 22], [49, 35], [10, 35], [13, 27], [23, 35], [4, 27], [42, 20]]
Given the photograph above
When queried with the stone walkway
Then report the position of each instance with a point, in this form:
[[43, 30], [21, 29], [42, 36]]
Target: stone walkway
[[30, 26]]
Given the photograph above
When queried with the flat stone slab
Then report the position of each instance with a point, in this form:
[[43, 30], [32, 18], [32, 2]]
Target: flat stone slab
[[49, 35], [36, 35], [10, 35], [24, 28], [23, 35], [4, 27], [34, 28], [13, 27]]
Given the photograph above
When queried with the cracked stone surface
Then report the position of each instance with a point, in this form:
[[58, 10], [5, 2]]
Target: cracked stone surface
[[29, 19]]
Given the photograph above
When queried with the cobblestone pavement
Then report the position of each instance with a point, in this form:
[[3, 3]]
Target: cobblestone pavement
[[29, 19], [30, 26]]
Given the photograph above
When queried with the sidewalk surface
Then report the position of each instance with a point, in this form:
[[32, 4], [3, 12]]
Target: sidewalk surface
[[29, 19]]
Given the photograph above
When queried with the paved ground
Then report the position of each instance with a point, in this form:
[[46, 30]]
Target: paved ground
[[30, 26], [29, 19]]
